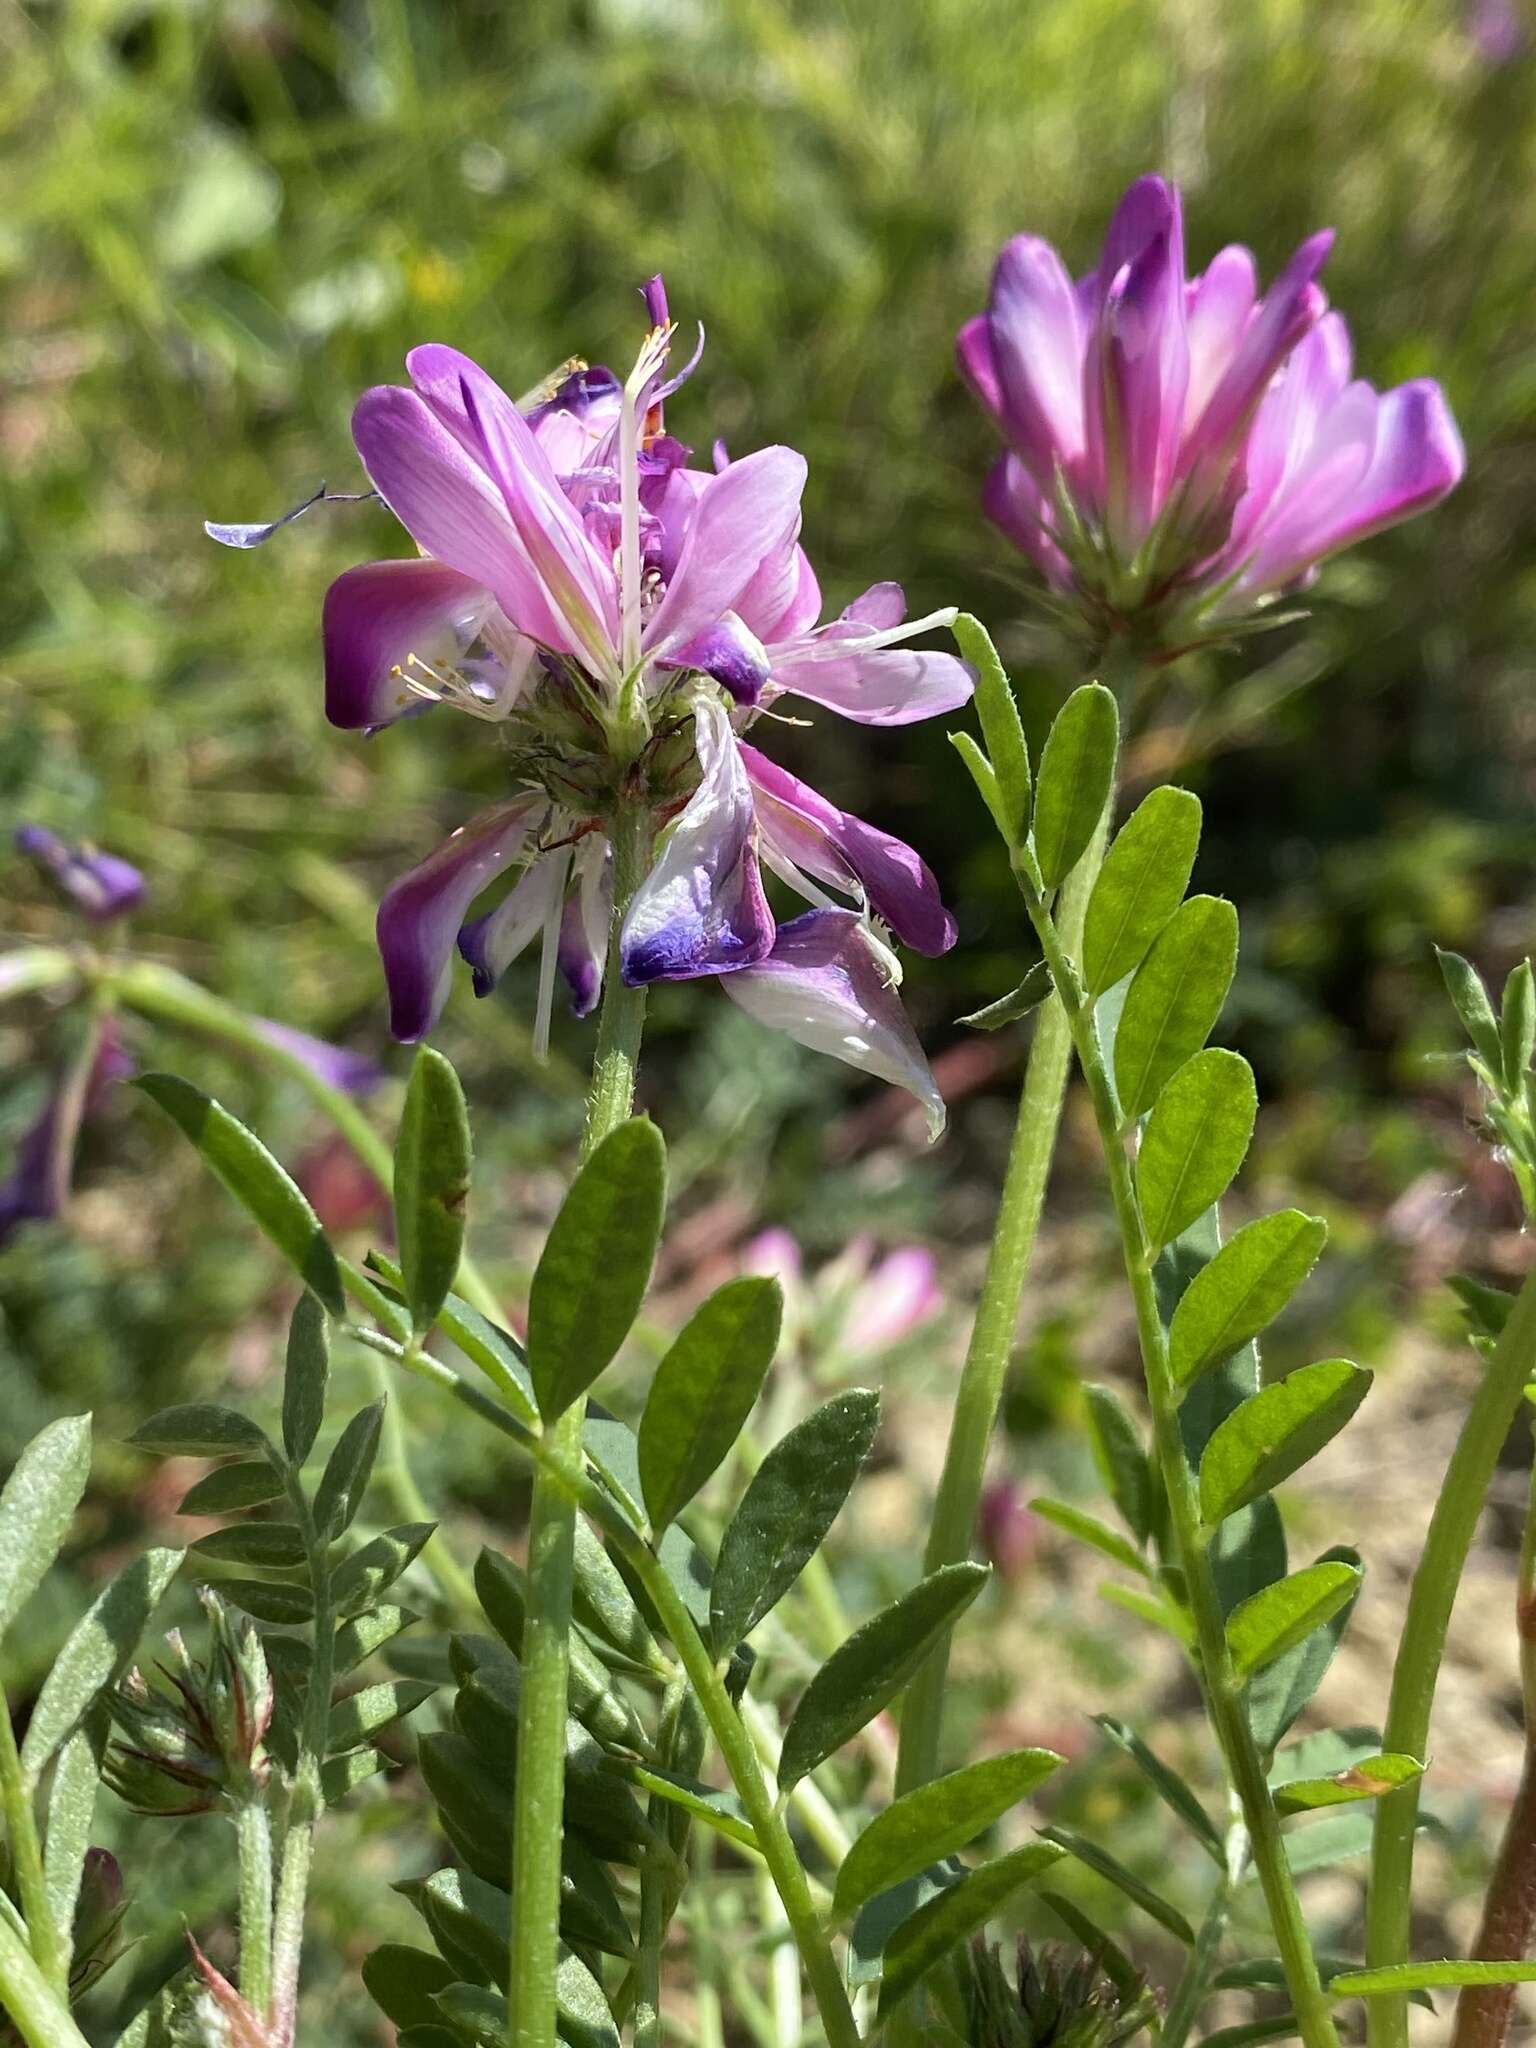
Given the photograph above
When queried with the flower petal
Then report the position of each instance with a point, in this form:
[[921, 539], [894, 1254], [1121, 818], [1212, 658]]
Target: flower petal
[[857, 674], [743, 517], [730, 654], [100, 884], [833, 845], [883, 606], [584, 928], [351, 1072], [701, 909], [1036, 356], [1289, 309], [1013, 501], [1220, 305], [826, 984], [491, 943], [378, 614], [1145, 360], [420, 915]]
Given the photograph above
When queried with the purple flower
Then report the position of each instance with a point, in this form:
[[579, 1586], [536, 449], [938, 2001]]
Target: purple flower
[[39, 1181], [1181, 452], [625, 619], [100, 884]]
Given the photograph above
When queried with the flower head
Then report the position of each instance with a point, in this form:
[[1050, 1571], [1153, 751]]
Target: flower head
[[623, 619], [1056, 2000], [194, 1744], [1181, 452]]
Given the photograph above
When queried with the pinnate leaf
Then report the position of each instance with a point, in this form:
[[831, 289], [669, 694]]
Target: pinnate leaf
[[199, 1430], [432, 1167], [1367, 1779], [1125, 1881], [1174, 1000], [1000, 725], [347, 1472], [306, 1373], [1280, 1616], [1276, 1431], [249, 1483], [1242, 1290]]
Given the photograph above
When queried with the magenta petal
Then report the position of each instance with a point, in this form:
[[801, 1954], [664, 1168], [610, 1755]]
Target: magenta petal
[[420, 915], [783, 599], [1012, 500], [354, 1073], [871, 684], [378, 614], [1220, 306], [1292, 305], [882, 607], [448, 504], [1148, 208], [730, 654], [898, 884], [744, 516], [826, 984], [1146, 369], [701, 909], [977, 364], [1037, 356]]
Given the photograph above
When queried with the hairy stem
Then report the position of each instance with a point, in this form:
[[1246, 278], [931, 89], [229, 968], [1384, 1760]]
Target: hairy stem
[[1422, 1644], [980, 1393], [1194, 1986], [1223, 1692], [540, 1788], [44, 1936], [254, 1834], [38, 2012]]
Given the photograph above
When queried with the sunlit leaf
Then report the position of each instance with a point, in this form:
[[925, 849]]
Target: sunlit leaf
[[1145, 874], [1174, 999], [37, 1507], [704, 1389], [1242, 1290], [1077, 775], [433, 1156], [1276, 1431], [1280, 1616], [1195, 1140], [956, 1914]]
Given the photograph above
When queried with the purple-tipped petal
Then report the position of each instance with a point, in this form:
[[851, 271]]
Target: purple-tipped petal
[[744, 517], [836, 847], [494, 941], [827, 985], [420, 915], [1036, 357], [977, 364], [377, 615], [448, 504], [354, 1073], [583, 949], [1149, 207], [100, 884], [729, 653], [580, 584], [701, 909]]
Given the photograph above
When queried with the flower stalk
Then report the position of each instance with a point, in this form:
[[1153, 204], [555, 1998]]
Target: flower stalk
[[1430, 1600], [540, 1788], [1223, 1693]]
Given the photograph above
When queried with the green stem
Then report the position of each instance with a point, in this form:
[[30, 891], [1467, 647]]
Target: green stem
[[656, 1883], [1223, 1691], [980, 1393], [307, 1800], [538, 1799], [30, 2002], [254, 1833], [394, 1469], [1451, 1529], [1192, 1988], [38, 967], [43, 1934]]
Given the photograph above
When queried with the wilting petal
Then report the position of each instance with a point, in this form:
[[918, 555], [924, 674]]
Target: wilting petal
[[377, 615], [744, 517], [826, 984], [420, 915], [100, 884], [836, 847], [701, 909], [494, 941], [352, 1072], [1036, 356], [1415, 458], [584, 926], [858, 674], [580, 584], [729, 653]]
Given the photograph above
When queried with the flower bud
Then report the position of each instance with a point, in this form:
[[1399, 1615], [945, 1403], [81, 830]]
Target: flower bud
[[99, 884], [197, 1745], [1058, 2000], [98, 1926]]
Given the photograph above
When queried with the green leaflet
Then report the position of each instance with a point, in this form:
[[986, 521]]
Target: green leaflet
[[1242, 1290], [955, 1915], [1174, 999], [1001, 727], [1282, 1615], [1275, 1432], [306, 1373], [348, 1471], [250, 1173], [704, 1389], [433, 1156], [596, 1265], [1077, 775], [37, 1507], [792, 1501], [869, 1669], [1141, 885], [930, 1822], [1194, 1142]]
